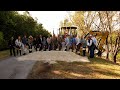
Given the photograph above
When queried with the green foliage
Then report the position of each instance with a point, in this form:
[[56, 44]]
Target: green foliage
[[14, 24], [3, 43], [118, 56], [1, 36]]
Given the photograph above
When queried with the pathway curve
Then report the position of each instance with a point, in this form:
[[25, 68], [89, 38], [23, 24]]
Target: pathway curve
[[19, 67]]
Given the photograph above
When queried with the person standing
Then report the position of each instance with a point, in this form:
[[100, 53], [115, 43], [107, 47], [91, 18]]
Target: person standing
[[40, 42], [54, 42], [44, 43], [18, 43], [84, 44], [25, 42], [34, 43], [91, 46], [63, 43], [94, 41], [30, 42], [73, 42], [49, 43], [11, 44], [67, 42], [78, 44], [59, 42]]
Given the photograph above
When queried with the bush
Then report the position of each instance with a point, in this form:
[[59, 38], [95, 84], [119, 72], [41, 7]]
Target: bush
[[3, 45]]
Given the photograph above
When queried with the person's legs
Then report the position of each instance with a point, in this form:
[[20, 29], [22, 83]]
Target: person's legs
[[17, 50], [14, 51], [30, 48], [72, 47], [20, 52], [45, 47], [76, 48], [84, 52], [36, 46], [10, 51], [60, 46], [40, 47], [91, 52], [68, 47]]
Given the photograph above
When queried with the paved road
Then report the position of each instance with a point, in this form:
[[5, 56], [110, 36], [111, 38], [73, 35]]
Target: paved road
[[19, 67]]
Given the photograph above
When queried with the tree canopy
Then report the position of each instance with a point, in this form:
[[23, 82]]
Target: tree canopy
[[13, 24]]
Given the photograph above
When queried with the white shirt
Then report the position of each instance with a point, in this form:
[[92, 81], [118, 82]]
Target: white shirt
[[94, 40], [67, 41], [18, 43], [89, 44], [77, 41], [48, 40]]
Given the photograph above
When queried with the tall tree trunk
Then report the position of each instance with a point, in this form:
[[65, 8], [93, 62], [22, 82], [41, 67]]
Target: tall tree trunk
[[107, 44], [114, 57], [117, 46]]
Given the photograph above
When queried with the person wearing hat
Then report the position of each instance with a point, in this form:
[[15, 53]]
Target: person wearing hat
[[91, 45]]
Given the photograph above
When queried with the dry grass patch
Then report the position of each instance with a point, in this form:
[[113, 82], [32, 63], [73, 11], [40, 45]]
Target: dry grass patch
[[96, 69]]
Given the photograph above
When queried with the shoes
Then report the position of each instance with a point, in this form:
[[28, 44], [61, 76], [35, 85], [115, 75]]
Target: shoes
[[24, 54]]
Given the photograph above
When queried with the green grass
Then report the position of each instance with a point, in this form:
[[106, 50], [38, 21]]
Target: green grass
[[4, 54], [96, 69], [118, 56]]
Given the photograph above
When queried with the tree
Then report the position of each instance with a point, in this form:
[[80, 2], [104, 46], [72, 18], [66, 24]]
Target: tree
[[13, 24]]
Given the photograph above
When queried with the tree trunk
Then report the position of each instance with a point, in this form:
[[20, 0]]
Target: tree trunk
[[117, 43], [114, 57], [107, 44]]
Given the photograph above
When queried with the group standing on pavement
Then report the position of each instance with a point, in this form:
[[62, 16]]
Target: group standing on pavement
[[20, 46]]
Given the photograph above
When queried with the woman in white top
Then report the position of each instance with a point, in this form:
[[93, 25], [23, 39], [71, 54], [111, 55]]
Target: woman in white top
[[18, 44]]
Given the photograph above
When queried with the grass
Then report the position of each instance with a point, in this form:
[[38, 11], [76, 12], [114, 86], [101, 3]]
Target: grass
[[4, 54], [118, 56], [97, 69]]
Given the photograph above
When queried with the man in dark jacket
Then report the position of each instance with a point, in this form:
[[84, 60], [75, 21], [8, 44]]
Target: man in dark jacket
[[11, 44], [25, 43]]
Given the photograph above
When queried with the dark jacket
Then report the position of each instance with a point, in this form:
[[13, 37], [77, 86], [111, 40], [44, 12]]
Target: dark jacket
[[11, 43], [40, 41], [24, 41]]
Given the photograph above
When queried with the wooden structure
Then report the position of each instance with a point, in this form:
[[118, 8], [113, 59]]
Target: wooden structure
[[68, 31]]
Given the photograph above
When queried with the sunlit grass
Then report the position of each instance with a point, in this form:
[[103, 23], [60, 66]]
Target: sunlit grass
[[96, 69]]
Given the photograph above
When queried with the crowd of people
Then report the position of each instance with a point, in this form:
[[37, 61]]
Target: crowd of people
[[20, 46]]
